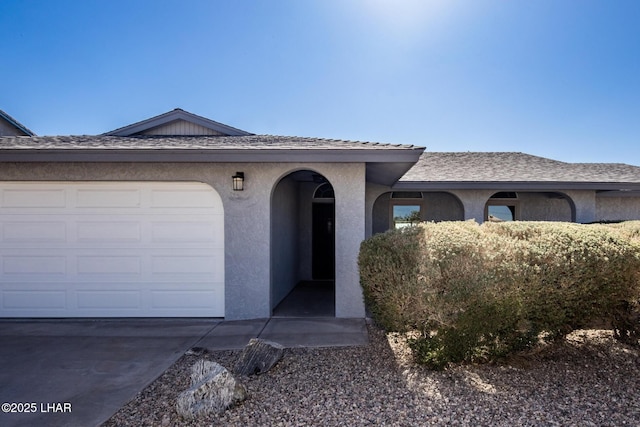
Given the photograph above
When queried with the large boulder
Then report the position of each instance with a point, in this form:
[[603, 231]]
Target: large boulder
[[258, 357], [213, 389]]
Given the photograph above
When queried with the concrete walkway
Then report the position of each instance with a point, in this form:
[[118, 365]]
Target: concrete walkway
[[80, 372], [290, 332]]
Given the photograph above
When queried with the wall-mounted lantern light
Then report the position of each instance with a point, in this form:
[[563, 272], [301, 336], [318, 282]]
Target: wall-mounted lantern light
[[238, 181]]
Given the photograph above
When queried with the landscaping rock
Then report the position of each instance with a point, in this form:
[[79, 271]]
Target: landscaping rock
[[258, 357], [213, 389]]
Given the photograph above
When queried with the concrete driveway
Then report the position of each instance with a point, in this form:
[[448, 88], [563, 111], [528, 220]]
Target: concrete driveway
[[79, 373]]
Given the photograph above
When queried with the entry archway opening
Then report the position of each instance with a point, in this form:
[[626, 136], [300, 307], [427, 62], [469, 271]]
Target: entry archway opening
[[303, 246]]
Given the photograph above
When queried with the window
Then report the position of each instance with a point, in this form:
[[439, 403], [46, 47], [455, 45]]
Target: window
[[325, 191], [405, 215]]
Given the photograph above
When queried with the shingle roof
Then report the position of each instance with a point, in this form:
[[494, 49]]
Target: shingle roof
[[385, 163], [249, 142], [461, 167]]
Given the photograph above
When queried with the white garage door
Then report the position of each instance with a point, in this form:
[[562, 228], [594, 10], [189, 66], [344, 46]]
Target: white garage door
[[111, 249]]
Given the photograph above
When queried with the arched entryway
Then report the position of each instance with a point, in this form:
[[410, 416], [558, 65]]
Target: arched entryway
[[303, 246], [414, 205], [530, 206]]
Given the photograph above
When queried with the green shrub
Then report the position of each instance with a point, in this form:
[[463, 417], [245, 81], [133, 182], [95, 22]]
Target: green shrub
[[626, 320], [389, 266], [476, 293]]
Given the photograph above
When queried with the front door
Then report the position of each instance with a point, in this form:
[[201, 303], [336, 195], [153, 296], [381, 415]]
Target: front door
[[323, 237]]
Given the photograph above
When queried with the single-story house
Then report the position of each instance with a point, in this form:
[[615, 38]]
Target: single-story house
[[182, 216]]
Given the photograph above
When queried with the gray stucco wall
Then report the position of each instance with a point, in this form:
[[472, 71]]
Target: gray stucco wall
[[349, 186], [441, 206], [544, 207], [247, 219], [585, 204], [284, 241], [473, 202], [617, 208]]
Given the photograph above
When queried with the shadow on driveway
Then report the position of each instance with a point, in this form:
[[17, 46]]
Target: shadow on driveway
[[78, 373]]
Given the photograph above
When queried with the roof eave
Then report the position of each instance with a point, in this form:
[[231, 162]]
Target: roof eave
[[211, 155]]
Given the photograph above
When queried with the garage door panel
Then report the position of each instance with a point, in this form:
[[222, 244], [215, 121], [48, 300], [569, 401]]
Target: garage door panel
[[193, 231], [183, 264], [109, 231], [33, 198], [109, 300], [109, 265], [185, 299], [108, 198], [37, 301], [18, 231], [185, 198], [113, 249], [32, 265]]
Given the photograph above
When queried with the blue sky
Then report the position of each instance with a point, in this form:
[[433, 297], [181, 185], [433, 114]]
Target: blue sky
[[555, 78]]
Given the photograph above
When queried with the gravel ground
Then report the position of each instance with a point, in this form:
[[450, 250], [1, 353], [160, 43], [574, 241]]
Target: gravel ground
[[589, 380]]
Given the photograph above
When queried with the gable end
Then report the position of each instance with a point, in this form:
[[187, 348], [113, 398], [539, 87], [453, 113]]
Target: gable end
[[177, 123], [181, 128], [11, 127]]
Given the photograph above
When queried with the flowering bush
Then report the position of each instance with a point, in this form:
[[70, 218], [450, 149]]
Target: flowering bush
[[478, 292]]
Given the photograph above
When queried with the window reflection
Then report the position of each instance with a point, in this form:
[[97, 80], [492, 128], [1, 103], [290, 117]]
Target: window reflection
[[501, 213], [405, 215]]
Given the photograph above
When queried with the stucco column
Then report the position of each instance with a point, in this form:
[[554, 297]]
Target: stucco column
[[247, 243], [585, 205], [473, 202], [349, 188]]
